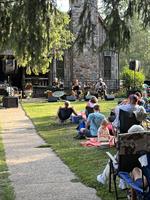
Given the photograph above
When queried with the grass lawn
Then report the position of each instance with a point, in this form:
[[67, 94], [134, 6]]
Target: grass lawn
[[85, 162], [6, 190]]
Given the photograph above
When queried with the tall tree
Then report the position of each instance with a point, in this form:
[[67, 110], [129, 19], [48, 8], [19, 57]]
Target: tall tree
[[118, 19], [139, 47], [36, 32]]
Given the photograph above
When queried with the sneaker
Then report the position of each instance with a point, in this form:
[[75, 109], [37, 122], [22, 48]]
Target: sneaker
[[101, 179], [122, 184]]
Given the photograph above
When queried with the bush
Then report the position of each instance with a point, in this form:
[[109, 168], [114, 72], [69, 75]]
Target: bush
[[121, 93], [131, 81]]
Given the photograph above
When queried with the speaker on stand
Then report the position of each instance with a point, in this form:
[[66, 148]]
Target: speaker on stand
[[134, 65]]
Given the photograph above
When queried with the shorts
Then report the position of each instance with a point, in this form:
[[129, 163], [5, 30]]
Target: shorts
[[139, 182]]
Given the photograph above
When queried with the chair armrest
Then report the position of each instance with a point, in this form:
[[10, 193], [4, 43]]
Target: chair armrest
[[127, 178], [112, 158]]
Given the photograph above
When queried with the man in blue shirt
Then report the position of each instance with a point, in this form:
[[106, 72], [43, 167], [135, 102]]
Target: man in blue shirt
[[93, 122]]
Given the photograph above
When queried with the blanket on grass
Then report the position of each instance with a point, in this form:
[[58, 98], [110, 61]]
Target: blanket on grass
[[92, 142]]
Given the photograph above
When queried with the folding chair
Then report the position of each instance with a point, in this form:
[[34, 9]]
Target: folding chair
[[130, 147], [127, 119], [142, 193]]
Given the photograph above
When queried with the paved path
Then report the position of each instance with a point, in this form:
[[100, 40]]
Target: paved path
[[36, 173]]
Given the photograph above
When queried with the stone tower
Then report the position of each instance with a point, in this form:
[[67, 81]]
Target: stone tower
[[89, 64]]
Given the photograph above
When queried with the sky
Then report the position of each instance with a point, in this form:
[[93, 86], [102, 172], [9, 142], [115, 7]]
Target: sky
[[63, 5]]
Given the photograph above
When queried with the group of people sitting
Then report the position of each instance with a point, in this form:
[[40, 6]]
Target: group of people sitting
[[82, 90], [94, 118], [98, 126]]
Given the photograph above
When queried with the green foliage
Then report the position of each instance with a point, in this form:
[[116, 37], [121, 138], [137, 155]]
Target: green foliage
[[6, 190], [139, 47], [36, 32], [118, 16], [131, 79], [121, 93], [87, 26]]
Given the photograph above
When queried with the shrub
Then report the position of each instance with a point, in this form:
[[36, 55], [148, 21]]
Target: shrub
[[121, 93], [132, 80]]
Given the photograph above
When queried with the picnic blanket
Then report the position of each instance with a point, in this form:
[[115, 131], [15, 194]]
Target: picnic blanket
[[92, 142]]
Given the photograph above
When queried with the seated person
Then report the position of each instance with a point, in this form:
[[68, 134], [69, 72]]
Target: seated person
[[93, 122], [65, 112], [104, 135], [55, 84], [137, 177], [102, 178], [147, 105], [90, 105], [77, 88], [141, 101], [103, 132], [101, 88], [131, 106]]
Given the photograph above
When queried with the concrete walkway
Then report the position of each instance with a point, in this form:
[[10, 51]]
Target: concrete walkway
[[36, 173]]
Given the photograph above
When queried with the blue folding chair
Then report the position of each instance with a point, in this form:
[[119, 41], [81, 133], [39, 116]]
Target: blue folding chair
[[142, 193], [131, 146]]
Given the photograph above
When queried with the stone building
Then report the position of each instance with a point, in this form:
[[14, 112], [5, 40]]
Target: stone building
[[86, 66], [91, 64]]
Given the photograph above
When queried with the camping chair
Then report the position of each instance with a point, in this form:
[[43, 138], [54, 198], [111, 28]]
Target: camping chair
[[127, 119], [131, 146]]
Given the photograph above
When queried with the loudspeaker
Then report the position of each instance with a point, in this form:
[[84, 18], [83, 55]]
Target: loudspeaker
[[135, 65], [10, 102], [9, 66], [52, 99], [109, 97]]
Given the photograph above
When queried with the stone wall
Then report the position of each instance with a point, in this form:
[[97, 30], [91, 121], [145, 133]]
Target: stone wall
[[89, 64], [86, 65]]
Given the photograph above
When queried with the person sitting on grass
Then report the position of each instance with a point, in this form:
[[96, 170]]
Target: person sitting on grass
[[103, 132], [65, 112], [90, 105], [93, 122]]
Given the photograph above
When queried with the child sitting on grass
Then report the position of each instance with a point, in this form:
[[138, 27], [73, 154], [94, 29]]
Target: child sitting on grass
[[103, 137], [103, 132]]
